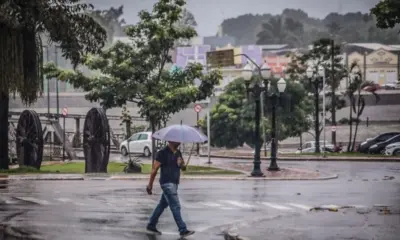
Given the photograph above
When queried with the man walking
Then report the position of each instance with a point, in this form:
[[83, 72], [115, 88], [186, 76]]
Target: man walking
[[171, 162]]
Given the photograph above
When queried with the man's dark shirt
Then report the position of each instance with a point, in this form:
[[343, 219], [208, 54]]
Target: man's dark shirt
[[170, 171]]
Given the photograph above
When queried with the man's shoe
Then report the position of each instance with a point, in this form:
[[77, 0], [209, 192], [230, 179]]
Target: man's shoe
[[153, 230], [186, 233]]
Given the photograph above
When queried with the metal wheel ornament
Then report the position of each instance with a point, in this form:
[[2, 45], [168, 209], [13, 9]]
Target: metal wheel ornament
[[29, 139], [96, 141]]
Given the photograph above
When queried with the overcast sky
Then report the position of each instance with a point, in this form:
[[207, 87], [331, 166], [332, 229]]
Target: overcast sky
[[210, 13]]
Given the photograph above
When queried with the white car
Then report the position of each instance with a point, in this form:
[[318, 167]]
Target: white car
[[393, 149], [309, 147], [138, 143]]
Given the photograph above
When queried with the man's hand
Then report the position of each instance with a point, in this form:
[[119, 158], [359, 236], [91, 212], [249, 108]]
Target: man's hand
[[149, 189]]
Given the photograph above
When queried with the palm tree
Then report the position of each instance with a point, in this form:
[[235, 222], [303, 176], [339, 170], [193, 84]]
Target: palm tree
[[279, 31], [357, 101], [23, 24]]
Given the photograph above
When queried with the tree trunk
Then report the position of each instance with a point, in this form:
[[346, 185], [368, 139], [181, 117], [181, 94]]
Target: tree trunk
[[350, 125], [355, 136], [153, 141], [357, 121], [4, 100], [301, 142]]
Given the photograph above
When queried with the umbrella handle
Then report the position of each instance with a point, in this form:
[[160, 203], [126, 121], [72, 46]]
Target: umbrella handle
[[190, 154]]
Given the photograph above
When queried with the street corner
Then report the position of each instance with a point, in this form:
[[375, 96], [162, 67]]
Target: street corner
[[46, 177]]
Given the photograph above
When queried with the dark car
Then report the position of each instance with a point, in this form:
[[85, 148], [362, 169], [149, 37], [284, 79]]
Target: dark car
[[380, 146], [364, 146]]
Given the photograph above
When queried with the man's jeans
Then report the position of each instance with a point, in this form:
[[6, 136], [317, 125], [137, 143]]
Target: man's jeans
[[168, 198]]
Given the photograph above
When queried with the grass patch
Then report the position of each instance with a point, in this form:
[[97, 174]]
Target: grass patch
[[112, 168], [21, 170]]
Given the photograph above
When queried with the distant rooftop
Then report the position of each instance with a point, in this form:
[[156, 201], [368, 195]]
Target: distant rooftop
[[375, 46], [273, 46]]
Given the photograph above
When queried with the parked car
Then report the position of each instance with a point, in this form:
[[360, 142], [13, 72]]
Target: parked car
[[364, 146], [309, 147], [138, 143], [312, 150], [380, 146], [390, 86], [393, 149]]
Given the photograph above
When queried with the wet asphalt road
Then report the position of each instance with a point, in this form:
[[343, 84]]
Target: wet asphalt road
[[99, 209]]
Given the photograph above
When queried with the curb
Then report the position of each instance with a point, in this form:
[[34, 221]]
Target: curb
[[344, 159], [102, 178], [43, 177]]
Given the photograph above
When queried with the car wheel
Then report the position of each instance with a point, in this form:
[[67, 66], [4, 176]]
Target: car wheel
[[124, 151], [146, 152], [396, 152], [383, 151]]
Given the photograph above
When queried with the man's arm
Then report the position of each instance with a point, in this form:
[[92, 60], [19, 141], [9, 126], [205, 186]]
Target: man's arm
[[153, 173]]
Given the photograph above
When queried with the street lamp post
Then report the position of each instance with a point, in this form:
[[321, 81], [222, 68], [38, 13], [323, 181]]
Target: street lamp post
[[274, 96], [256, 90], [316, 79]]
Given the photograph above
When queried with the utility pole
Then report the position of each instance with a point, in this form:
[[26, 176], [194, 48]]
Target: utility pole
[[333, 88], [57, 90], [48, 83]]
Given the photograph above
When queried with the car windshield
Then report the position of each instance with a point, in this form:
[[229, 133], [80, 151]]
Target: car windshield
[[394, 139]]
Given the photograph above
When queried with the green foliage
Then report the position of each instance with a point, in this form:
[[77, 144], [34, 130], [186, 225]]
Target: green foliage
[[23, 24], [387, 13], [110, 20], [232, 118], [279, 30], [136, 72], [321, 55], [349, 27]]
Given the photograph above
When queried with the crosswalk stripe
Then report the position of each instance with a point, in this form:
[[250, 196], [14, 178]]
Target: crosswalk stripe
[[228, 208], [238, 204], [301, 206], [34, 200], [64, 200], [210, 204], [330, 206], [276, 206]]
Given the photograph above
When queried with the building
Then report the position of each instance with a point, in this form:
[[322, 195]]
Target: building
[[380, 66], [191, 54]]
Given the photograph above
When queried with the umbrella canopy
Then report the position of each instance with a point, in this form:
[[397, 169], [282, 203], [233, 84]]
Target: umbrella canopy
[[180, 133]]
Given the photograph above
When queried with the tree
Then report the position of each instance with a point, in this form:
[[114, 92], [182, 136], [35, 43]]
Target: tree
[[111, 21], [232, 118], [357, 101], [353, 28], [136, 72], [187, 19], [23, 24], [279, 30], [387, 13], [321, 55]]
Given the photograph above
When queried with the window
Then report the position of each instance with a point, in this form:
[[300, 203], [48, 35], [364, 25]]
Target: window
[[307, 145], [134, 137], [143, 136]]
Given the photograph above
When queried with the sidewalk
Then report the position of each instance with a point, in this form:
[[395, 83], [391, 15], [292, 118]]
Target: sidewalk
[[283, 157], [286, 173]]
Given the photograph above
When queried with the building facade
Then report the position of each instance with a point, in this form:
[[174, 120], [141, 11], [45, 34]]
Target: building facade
[[379, 66]]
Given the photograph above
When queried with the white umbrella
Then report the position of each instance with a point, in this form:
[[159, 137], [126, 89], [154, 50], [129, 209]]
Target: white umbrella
[[180, 133]]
